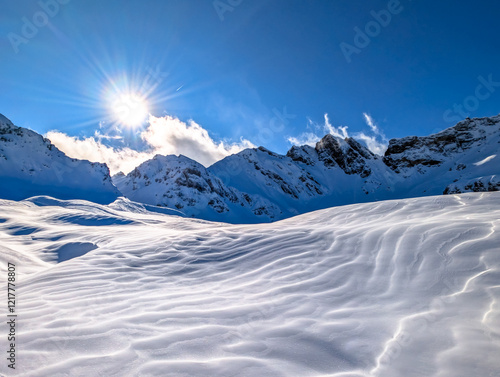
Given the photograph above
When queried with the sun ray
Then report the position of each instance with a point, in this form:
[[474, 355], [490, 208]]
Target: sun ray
[[130, 109]]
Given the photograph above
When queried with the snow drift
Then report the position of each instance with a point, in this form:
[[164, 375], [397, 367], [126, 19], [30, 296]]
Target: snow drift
[[395, 288]]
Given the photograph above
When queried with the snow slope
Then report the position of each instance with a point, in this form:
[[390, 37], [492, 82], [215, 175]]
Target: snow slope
[[395, 288], [30, 165]]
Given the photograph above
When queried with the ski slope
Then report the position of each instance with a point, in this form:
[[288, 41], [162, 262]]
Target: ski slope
[[396, 288]]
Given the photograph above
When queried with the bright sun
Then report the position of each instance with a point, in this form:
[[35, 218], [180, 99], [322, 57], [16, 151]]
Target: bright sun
[[130, 109]]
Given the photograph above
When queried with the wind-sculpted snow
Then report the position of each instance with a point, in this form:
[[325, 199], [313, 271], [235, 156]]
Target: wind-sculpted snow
[[396, 288]]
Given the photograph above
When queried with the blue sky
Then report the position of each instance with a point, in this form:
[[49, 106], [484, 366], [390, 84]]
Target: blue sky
[[258, 71]]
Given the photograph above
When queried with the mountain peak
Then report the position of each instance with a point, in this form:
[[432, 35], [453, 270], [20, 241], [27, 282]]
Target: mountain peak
[[5, 120], [5, 123], [31, 166], [265, 150], [347, 154], [328, 140]]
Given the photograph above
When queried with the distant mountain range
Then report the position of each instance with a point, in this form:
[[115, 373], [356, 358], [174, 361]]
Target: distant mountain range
[[257, 185]]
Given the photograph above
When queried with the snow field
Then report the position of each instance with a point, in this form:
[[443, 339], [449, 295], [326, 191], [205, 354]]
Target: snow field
[[395, 288]]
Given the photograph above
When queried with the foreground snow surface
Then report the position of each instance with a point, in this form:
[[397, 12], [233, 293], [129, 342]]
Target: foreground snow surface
[[396, 288]]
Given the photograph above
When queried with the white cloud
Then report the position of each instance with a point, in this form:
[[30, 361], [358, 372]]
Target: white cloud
[[377, 143], [311, 138], [167, 135], [307, 138], [371, 123], [336, 131], [170, 135], [372, 143], [124, 159]]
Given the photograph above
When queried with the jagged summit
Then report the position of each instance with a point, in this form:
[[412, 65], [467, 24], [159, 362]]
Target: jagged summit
[[347, 154], [435, 150]]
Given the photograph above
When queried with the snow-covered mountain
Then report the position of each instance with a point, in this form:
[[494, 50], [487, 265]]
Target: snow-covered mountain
[[30, 165], [335, 172], [181, 183], [463, 158], [389, 289], [257, 185]]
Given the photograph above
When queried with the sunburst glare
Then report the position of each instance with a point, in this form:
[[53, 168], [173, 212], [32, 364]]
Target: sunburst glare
[[130, 109]]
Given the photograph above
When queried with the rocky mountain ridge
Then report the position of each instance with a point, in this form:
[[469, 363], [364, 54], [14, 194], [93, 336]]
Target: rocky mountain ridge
[[258, 185], [334, 172]]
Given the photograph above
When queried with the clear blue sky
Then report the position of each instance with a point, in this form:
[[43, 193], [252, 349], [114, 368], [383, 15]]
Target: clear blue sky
[[228, 75]]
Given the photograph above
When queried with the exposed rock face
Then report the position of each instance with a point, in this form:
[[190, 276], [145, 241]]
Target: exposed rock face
[[479, 184], [305, 154], [347, 154], [414, 152]]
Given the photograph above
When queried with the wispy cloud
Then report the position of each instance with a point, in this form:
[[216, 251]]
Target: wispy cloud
[[318, 131], [307, 138], [167, 135], [336, 131], [372, 143], [375, 141]]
